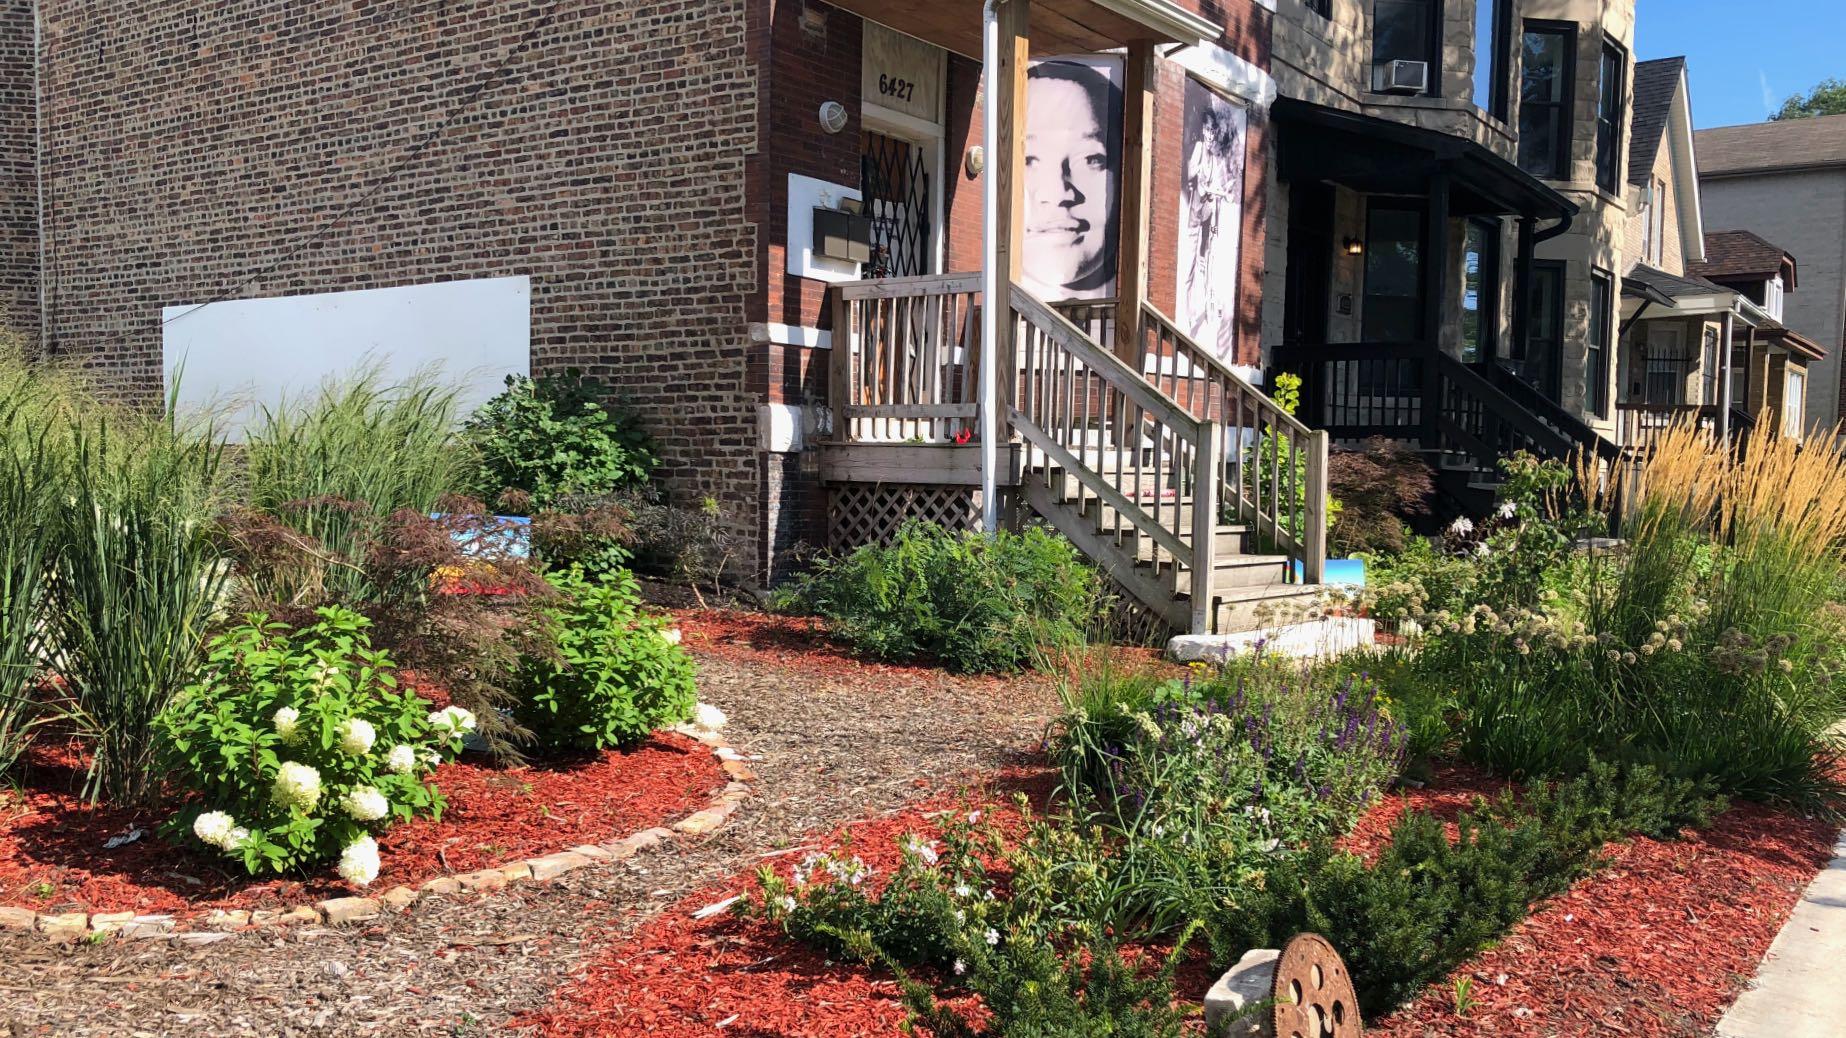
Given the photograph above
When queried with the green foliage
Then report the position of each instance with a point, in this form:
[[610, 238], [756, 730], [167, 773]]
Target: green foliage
[[29, 471], [615, 677], [140, 576], [336, 466], [1429, 903], [274, 700], [975, 603], [1827, 98], [558, 436]]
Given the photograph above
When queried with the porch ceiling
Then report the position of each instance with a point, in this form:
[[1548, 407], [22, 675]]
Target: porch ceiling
[[1058, 26]]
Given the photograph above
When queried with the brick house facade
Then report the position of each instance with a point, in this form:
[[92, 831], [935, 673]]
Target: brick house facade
[[630, 158]]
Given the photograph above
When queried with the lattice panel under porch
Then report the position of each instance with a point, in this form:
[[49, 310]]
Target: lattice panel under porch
[[871, 513]]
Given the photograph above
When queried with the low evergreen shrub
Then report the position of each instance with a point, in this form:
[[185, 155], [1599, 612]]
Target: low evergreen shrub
[[974, 603], [615, 677]]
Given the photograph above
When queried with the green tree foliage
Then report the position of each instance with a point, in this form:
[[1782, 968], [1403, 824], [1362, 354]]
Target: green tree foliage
[[1827, 98]]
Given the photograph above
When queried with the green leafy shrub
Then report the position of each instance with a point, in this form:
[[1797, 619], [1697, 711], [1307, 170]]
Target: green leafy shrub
[[615, 677], [558, 436], [300, 745], [1277, 472], [140, 576], [1428, 903], [975, 603]]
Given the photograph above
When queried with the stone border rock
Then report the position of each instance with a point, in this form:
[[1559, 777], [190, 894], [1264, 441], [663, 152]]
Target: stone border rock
[[219, 924]]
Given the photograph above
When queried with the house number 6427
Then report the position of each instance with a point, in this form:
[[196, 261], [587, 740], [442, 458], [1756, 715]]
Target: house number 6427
[[902, 89]]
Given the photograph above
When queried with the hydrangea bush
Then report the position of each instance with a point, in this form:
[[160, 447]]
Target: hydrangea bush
[[300, 744]]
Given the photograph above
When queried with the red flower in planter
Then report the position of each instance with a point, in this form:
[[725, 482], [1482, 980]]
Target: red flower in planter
[[962, 438]]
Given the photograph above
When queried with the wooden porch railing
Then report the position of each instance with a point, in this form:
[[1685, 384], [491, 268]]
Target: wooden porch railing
[[905, 357], [1126, 444]]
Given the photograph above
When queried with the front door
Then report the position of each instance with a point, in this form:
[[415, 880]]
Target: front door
[[1310, 264], [902, 95]]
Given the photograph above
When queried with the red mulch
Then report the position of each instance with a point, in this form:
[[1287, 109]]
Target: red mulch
[[1453, 788], [680, 977], [53, 859], [1656, 944], [802, 643]]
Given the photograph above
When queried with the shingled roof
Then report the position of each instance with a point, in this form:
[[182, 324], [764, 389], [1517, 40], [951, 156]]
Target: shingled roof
[[1730, 255], [1785, 144], [1655, 82]]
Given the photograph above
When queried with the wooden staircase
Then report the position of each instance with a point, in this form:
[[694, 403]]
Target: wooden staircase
[[1194, 491]]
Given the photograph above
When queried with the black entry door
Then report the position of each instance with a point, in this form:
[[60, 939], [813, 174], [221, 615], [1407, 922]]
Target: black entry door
[[1310, 264]]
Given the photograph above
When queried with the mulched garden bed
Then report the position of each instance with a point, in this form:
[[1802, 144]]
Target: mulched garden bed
[[801, 643], [1658, 943], [54, 855]]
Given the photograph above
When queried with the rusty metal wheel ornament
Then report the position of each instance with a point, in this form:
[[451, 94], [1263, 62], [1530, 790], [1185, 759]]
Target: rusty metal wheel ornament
[[1314, 996]]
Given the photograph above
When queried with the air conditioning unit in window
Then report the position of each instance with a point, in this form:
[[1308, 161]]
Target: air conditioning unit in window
[[1401, 77]]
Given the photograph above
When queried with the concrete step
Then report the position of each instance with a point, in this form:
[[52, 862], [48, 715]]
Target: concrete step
[[1254, 609]]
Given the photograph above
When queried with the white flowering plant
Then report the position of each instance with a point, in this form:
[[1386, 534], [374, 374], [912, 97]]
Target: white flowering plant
[[300, 744]]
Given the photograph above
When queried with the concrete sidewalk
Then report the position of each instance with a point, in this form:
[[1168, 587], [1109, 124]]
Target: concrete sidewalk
[[1800, 989]]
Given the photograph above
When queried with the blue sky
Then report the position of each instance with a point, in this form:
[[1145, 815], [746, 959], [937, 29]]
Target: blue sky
[[1745, 57]]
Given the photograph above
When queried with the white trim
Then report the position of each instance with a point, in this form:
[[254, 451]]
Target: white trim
[[1686, 194], [791, 335], [1168, 19], [902, 122], [804, 195], [1220, 69]]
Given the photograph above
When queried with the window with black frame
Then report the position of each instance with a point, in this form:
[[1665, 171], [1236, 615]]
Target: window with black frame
[[1324, 8], [1407, 30], [1609, 108], [1480, 310], [1393, 302], [1535, 355], [1545, 98], [1492, 28], [1596, 351]]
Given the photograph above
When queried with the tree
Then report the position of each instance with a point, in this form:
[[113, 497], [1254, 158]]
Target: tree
[[1827, 98]]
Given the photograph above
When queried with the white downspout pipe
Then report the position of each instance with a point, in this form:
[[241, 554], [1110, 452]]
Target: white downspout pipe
[[995, 299]]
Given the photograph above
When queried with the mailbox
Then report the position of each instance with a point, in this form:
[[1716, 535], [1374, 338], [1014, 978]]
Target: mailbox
[[843, 235]]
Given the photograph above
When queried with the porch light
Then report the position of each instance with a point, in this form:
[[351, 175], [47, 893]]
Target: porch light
[[1355, 247], [832, 116]]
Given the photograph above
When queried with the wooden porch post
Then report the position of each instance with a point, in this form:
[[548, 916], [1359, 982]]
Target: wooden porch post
[[1435, 299], [1137, 182], [1008, 164]]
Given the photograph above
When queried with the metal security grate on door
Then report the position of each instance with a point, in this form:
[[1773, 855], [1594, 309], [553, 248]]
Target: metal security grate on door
[[895, 181]]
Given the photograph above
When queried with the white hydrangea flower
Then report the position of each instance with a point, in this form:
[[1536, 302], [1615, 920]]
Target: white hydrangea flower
[[297, 785], [213, 827], [402, 760], [288, 723], [670, 635], [359, 862], [357, 736], [451, 720], [365, 804], [709, 717], [234, 839]]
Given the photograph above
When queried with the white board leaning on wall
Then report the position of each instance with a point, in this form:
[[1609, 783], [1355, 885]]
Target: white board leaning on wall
[[240, 354]]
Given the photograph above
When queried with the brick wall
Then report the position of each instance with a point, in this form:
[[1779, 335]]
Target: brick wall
[[18, 173], [197, 145]]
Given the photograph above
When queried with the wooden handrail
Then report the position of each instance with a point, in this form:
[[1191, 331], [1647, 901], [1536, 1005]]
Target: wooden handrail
[[1127, 445], [910, 287]]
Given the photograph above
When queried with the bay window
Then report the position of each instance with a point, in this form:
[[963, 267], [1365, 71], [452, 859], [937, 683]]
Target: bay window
[[1549, 50]]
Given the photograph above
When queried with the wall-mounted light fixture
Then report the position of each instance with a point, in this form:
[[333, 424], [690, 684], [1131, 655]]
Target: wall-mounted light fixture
[[976, 160], [1354, 247], [832, 116]]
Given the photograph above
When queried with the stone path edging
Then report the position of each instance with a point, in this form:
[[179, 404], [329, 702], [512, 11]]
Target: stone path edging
[[218, 924]]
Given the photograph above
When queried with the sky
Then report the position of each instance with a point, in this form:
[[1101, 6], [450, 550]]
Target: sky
[[1745, 58]]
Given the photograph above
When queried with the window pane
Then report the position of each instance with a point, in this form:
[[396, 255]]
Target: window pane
[[1544, 110], [1609, 115], [1393, 275], [1400, 30], [1544, 67], [1596, 357], [1486, 53], [1480, 291]]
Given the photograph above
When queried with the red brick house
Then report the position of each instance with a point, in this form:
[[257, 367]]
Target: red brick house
[[647, 172]]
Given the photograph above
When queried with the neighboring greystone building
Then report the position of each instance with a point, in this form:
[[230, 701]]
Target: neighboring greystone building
[[1786, 181], [1453, 177]]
